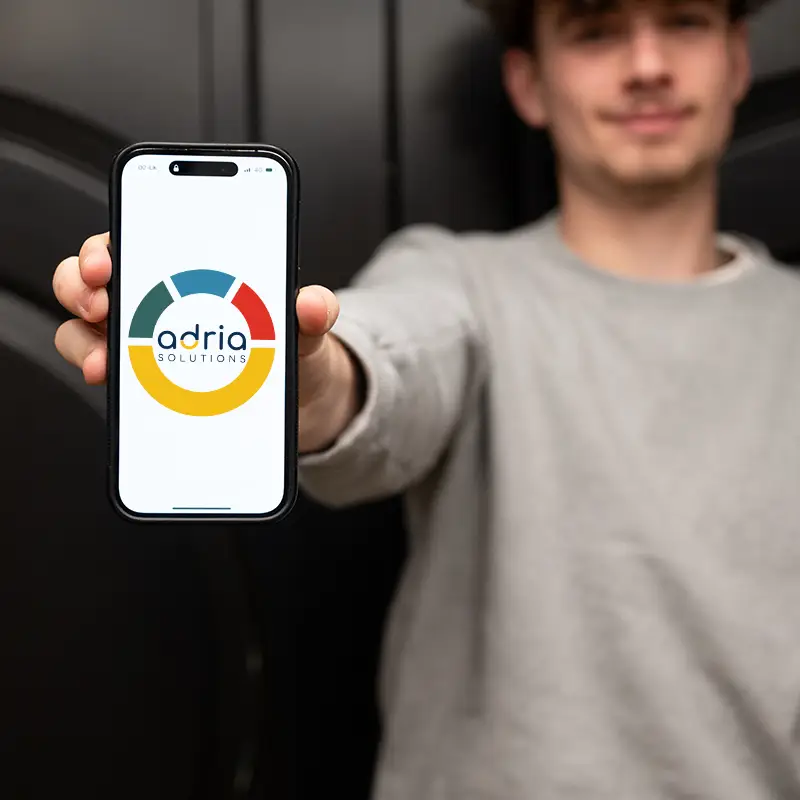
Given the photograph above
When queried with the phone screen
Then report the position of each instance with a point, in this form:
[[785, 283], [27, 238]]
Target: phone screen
[[202, 300]]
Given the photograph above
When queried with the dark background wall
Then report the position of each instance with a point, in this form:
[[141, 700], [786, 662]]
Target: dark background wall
[[222, 663]]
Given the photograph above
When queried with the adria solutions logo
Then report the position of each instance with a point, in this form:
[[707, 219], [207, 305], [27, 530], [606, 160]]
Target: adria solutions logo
[[197, 348]]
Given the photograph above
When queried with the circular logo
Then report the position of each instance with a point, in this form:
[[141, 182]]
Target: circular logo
[[178, 351]]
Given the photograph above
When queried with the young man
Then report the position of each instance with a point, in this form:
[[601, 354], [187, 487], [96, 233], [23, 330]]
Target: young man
[[595, 420]]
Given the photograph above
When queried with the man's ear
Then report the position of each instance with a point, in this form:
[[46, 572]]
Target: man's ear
[[741, 61], [523, 86]]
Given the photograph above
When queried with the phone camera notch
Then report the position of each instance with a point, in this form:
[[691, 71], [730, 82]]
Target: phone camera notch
[[219, 169]]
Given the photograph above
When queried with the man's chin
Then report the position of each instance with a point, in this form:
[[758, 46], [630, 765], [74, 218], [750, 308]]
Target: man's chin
[[658, 179]]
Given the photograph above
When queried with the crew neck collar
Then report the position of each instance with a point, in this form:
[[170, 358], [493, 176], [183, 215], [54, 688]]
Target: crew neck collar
[[738, 271]]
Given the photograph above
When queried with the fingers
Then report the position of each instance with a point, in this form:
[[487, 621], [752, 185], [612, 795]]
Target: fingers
[[95, 261], [79, 282], [84, 300], [95, 367], [317, 311], [85, 347], [79, 285]]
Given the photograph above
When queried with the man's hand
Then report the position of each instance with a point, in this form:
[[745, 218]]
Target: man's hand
[[327, 374]]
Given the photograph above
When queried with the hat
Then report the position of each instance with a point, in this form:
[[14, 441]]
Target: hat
[[505, 14]]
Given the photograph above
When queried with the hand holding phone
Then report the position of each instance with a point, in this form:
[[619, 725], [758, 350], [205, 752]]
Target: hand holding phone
[[327, 395]]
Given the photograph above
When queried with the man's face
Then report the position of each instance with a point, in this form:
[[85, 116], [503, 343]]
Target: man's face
[[637, 92]]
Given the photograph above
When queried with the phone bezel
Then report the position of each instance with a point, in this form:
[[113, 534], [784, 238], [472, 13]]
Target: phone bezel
[[114, 333]]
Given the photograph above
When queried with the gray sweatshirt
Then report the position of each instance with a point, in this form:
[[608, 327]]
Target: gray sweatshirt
[[602, 485]]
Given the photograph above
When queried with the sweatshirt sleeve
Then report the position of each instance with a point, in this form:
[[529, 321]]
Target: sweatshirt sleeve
[[407, 319]]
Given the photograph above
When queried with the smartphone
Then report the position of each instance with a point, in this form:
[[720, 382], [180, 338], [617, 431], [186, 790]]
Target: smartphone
[[202, 400]]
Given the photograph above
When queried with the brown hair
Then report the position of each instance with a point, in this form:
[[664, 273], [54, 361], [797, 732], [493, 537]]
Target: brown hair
[[513, 19]]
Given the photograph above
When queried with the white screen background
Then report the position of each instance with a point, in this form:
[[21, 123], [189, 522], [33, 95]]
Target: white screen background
[[232, 463]]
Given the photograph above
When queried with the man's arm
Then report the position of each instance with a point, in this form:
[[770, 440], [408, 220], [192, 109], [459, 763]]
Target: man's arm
[[403, 352]]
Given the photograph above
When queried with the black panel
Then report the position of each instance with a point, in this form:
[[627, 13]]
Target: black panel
[[47, 208], [455, 124], [106, 678], [225, 39], [133, 68], [130, 663], [760, 177], [774, 38], [322, 583], [324, 579], [322, 68]]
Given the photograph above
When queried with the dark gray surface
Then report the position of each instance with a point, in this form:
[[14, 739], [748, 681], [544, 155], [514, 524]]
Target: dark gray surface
[[456, 131], [226, 30], [324, 579], [136, 667], [114, 643], [131, 67], [760, 177], [28, 331], [47, 208], [322, 95], [775, 32]]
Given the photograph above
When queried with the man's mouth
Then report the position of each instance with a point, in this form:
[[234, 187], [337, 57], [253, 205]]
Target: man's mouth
[[655, 122]]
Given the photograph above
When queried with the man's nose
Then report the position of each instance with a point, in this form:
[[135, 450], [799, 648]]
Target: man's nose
[[648, 54]]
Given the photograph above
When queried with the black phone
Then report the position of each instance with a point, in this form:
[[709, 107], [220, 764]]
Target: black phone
[[202, 333]]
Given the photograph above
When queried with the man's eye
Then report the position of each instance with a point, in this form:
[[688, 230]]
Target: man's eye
[[594, 32], [591, 34], [689, 20]]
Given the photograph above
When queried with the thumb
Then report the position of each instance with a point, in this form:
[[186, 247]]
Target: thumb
[[317, 311]]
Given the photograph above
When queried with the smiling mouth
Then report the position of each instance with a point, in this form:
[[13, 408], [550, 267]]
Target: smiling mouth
[[652, 123]]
